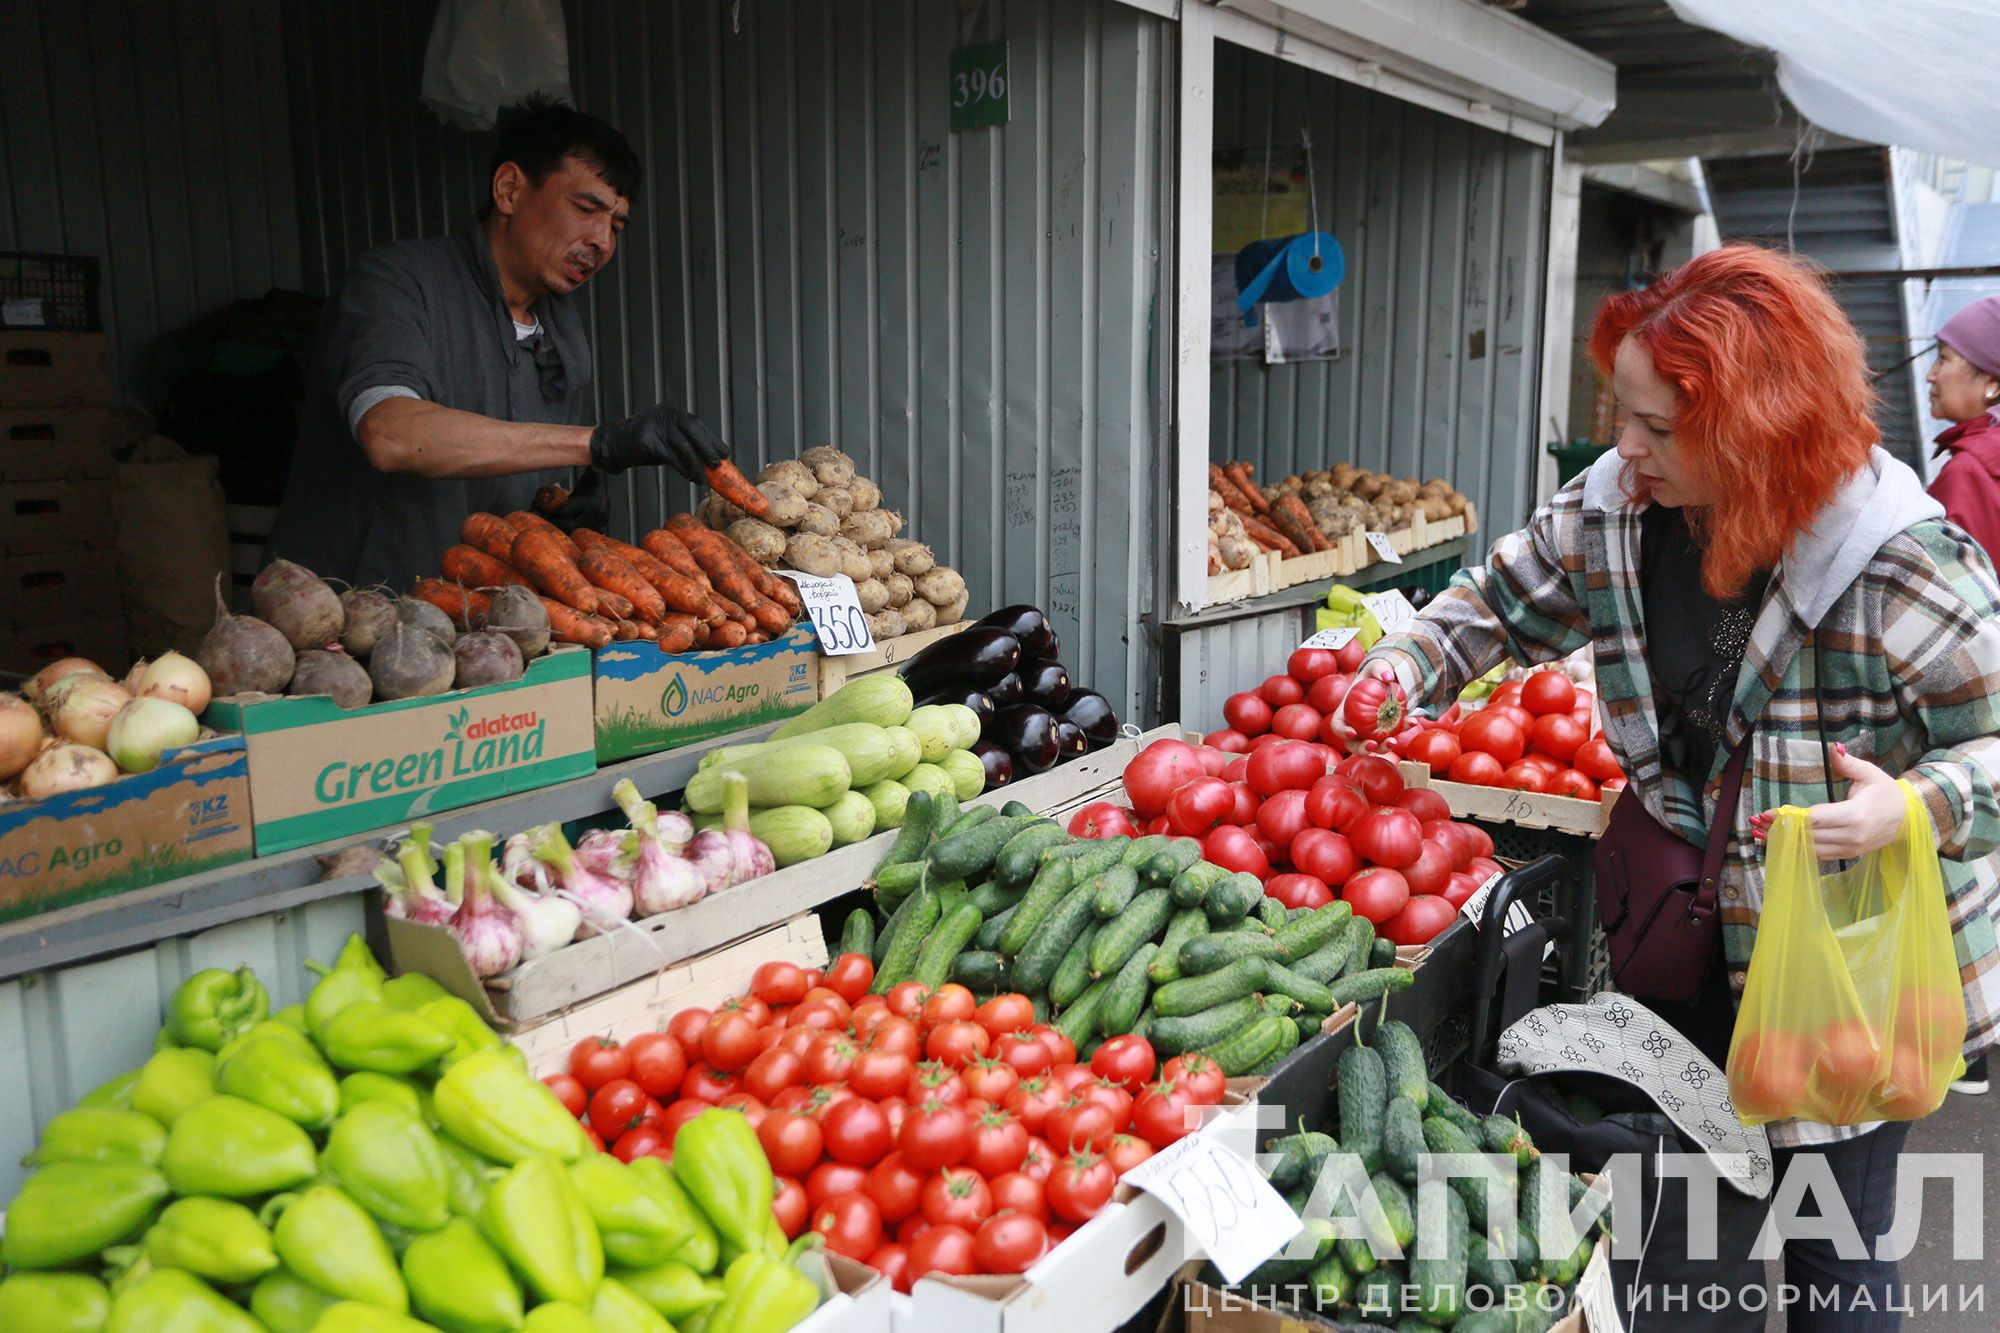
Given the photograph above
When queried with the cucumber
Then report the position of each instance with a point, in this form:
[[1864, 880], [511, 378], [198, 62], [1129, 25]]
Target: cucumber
[[1324, 963], [1278, 1272], [1360, 933], [1115, 889], [1212, 953], [1142, 850], [1072, 976], [1309, 1024], [1099, 856], [1079, 1021], [950, 896], [1232, 899], [1300, 1157], [1167, 864], [1370, 985], [980, 970], [1485, 1321], [1127, 995], [1441, 1136], [1552, 1214], [1571, 1268], [1022, 856], [968, 853], [1403, 1061], [1437, 1271], [991, 929], [1380, 1294], [1484, 1268], [1397, 1209], [1190, 887], [1402, 1139], [913, 837], [1271, 912], [1145, 917], [1356, 1256], [1309, 993], [1311, 931], [1248, 1046], [1534, 1318], [1330, 1280], [1288, 1041], [894, 927], [994, 897], [900, 956], [1499, 1134], [1173, 1035], [1442, 1103], [1364, 1098], [1601, 1228], [1052, 884], [943, 945], [858, 934], [1035, 965], [898, 881], [1015, 808], [1191, 995], [1382, 953], [1187, 923]]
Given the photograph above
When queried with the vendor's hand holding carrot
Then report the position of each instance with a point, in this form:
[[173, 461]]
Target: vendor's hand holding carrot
[[662, 434]]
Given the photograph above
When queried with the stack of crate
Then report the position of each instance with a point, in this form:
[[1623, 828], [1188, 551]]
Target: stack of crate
[[58, 563]]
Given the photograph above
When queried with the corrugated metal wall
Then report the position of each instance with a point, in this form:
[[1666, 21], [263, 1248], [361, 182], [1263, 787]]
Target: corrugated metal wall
[[156, 138], [816, 258], [1216, 661], [62, 1033], [1442, 224]]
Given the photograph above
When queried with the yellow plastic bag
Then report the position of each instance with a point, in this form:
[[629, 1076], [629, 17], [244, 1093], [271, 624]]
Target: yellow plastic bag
[[1852, 1011]]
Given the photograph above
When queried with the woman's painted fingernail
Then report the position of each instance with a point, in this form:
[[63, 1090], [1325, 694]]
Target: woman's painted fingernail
[[1839, 748]]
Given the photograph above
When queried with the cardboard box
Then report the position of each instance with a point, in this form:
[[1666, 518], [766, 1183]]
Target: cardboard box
[[49, 587], [37, 443], [320, 771], [1564, 814], [29, 648], [190, 814], [856, 1296], [56, 515], [647, 700], [45, 368]]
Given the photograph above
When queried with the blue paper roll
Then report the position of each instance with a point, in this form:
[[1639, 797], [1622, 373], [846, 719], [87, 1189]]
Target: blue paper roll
[[1291, 268]]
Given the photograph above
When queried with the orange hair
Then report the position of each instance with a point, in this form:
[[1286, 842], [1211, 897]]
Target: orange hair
[[1774, 396]]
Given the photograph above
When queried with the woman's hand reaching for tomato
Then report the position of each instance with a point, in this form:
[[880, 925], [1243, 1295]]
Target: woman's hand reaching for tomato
[[1337, 725], [1867, 821]]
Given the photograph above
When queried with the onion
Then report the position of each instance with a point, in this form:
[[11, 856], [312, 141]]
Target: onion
[[134, 676], [176, 678], [84, 711], [20, 735], [145, 729], [62, 768], [38, 684]]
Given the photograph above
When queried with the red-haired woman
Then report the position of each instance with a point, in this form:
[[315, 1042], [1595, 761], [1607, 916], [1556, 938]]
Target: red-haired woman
[[1752, 572]]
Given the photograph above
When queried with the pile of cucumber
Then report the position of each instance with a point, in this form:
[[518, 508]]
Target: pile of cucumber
[[1112, 936], [1391, 1115]]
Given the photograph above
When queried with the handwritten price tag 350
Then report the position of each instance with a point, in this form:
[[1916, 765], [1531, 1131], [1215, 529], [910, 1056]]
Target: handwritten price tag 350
[[835, 608], [1228, 1208]]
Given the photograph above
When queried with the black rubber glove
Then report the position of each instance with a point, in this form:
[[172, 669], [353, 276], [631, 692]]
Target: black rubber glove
[[588, 506], [660, 435]]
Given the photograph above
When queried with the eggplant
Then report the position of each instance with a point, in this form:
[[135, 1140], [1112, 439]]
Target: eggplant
[[998, 763], [1047, 684], [1052, 653], [972, 660], [1070, 741], [1008, 690], [978, 701], [1029, 734], [1030, 626], [1092, 712]]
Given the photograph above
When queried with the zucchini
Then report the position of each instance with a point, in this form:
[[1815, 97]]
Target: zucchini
[[1115, 888], [1442, 1103], [1402, 1139], [993, 897], [858, 934], [1403, 1061], [1072, 976], [1364, 1098], [1499, 1134], [1360, 932], [980, 970], [1022, 856], [1171, 1035], [1127, 995], [1052, 884], [1142, 850], [894, 927], [1212, 953], [969, 853], [1324, 963], [1311, 931], [1271, 912], [941, 948], [900, 956], [1191, 995], [1079, 1021], [1371, 985], [1035, 965], [1250, 1045], [1382, 953], [1232, 898], [1167, 864], [1190, 887], [1309, 993], [1142, 919], [1186, 924], [1437, 1270], [992, 928], [1288, 1041], [913, 837]]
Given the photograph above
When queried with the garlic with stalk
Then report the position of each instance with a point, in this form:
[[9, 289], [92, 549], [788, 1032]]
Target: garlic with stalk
[[611, 852], [486, 930], [604, 900], [412, 893], [731, 854], [545, 921], [665, 879]]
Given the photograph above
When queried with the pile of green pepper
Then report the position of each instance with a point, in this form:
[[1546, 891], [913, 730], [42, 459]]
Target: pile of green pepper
[[376, 1160]]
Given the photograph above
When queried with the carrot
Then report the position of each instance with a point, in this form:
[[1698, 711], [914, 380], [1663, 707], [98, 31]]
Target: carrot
[[476, 569], [676, 591], [783, 593], [1232, 495], [624, 631], [728, 634], [677, 637], [734, 487], [667, 548], [1270, 538], [611, 572], [489, 533], [612, 605], [465, 608], [551, 498], [568, 625], [1291, 504], [1286, 522], [525, 519], [1240, 472], [541, 557], [716, 554]]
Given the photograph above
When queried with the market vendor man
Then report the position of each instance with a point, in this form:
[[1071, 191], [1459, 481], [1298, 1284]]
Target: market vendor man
[[452, 375]]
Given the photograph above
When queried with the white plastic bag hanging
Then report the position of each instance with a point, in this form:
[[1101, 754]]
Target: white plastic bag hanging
[[488, 54]]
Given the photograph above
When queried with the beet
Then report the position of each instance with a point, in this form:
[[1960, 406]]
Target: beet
[[243, 655], [410, 662], [520, 615], [369, 614], [331, 672], [485, 657], [298, 604], [416, 611]]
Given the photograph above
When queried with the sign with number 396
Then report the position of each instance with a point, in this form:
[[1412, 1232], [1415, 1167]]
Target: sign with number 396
[[979, 86]]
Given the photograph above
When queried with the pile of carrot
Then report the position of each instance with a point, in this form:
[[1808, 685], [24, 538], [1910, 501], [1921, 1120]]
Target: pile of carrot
[[1282, 525]]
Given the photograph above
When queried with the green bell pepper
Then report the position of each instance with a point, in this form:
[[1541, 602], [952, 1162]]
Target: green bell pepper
[[672, 1288], [619, 1309], [283, 1074], [462, 1023], [212, 1006], [558, 1317], [367, 1086], [326, 1238], [96, 1134], [467, 1174], [168, 1300], [171, 1082], [284, 1302], [460, 1283], [702, 1250], [638, 1226], [214, 1239], [354, 976], [719, 1162], [534, 1216], [70, 1210], [359, 1317], [114, 1094], [491, 1105], [412, 991], [53, 1303], [292, 1016], [386, 1157], [374, 1035], [234, 1148], [764, 1293]]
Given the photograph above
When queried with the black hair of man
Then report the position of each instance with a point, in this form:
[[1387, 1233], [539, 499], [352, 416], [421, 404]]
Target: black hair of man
[[540, 132]]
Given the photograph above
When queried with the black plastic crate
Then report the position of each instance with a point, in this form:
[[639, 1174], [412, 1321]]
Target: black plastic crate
[[66, 285], [1584, 952]]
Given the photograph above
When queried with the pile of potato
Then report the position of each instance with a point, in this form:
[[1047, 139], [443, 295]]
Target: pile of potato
[[1345, 498], [827, 519]]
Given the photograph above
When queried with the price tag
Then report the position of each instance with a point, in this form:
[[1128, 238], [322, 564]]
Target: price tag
[[1229, 1209], [1596, 1296], [1335, 639], [1383, 550], [835, 608], [1391, 610], [1518, 915]]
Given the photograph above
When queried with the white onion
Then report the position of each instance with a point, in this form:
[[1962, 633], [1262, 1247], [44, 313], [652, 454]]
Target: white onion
[[84, 711], [64, 768], [176, 678], [135, 675], [144, 729], [38, 684], [20, 735]]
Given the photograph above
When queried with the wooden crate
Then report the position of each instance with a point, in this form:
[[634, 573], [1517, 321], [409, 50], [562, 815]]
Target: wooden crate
[[835, 672], [1349, 554], [1234, 585], [1563, 814]]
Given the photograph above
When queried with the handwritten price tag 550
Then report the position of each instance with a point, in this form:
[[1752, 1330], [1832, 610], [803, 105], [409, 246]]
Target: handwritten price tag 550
[[835, 608], [1228, 1208]]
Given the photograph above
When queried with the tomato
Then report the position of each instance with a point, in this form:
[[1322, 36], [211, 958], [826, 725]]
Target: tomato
[[851, 1223], [1070, 1079], [1102, 819], [658, 1064], [949, 1003], [1490, 732], [1324, 855], [1160, 1115], [1372, 708], [1158, 772], [642, 1141], [1767, 1073], [1032, 1101], [958, 1043], [999, 1144], [1079, 1188], [1595, 760], [870, 1012], [1557, 736], [1484, 868], [790, 1205], [1158, 825], [1296, 891], [1247, 714], [818, 1016], [1198, 1075], [1234, 770], [1423, 918], [793, 1141], [1435, 748], [1849, 1065], [1282, 691], [1244, 812], [1507, 692], [892, 1261], [1326, 692], [799, 1041], [596, 1061], [1024, 1051], [1282, 817], [1005, 1013], [1374, 777], [1525, 775], [990, 1079], [935, 1135], [1571, 783], [1389, 837], [906, 999], [1335, 803], [1127, 1060], [957, 1196], [1307, 665], [877, 1074], [1081, 1123], [1514, 713], [731, 1042], [705, 1082], [1548, 692], [1449, 836], [753, 1109], [1009, 1242], [595, 1139], [896, 1187], [857, 1131], [1430, 872], [898, 1036], [779, 982], [850, 976], [1234, 849], [1213, 761], [831, 1178], [1127, 1151], [1228, 740], [1062, 1051], [1458, 890], [1424, 803], [945, 1250], [1478, 768], [1019, 1191], [1612, 784], [1299, 722], [1199, 806], [571, 1093], [616, 1107], [911, 1227], [1039, 1162], [749, 1006], [1286, 766], [1376, 893], [831, 1058], [933, 1081]]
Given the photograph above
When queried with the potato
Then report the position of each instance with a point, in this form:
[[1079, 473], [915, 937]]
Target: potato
[[791, 473], [881, 564], [765, 543], [787, 505], [874, 595], [820, 521], [895, 522], [837, 498], [867, 495], [941, 586], [1235, 552], [832, 467], [812, 555], [912, 558], [954, 611], [901, 589], [919, 615], [853, 560], [716, 512], [887, 625], [869, 530]]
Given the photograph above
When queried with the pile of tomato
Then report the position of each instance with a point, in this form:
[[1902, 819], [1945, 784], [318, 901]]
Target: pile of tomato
[[918, 1132], [1533, 735]]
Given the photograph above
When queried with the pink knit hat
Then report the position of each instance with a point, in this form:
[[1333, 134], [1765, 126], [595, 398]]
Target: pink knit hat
[[1974, 333]]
